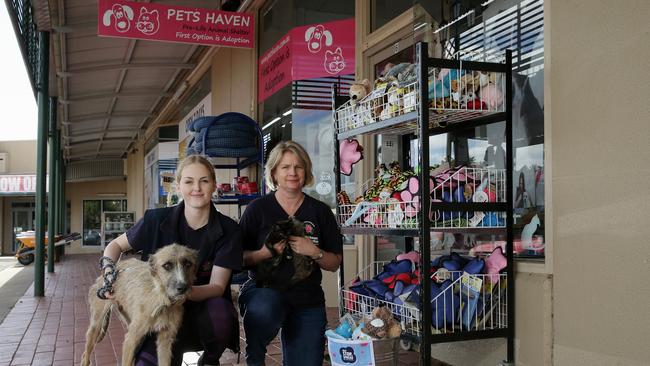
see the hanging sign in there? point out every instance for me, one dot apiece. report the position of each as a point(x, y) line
point(325, 49)
point(129, 19)
point(19, 184)
point(307, 52)
point(274, 69)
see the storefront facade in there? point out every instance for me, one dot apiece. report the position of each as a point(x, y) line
point(548, 287)
point(580, 301)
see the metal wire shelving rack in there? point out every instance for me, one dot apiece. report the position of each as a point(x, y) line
point(408, 115)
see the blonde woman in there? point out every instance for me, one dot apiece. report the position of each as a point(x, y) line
point(299, 310)
point(210, 320)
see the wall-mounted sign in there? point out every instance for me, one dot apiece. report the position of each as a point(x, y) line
point(307, 52)
point(274, 69)
point(129, 19)
point(12, 184)
point(202, 108)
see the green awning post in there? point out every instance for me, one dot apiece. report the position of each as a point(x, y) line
point(51, 196)
point(41, 156)
point(57, 184)
point(55, 175)
point(64, 203)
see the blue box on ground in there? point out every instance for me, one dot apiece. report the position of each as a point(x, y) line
point(382, 352)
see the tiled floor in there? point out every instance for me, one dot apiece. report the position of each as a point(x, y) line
point(51, 330)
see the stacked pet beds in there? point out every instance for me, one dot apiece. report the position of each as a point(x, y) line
point(231, 134)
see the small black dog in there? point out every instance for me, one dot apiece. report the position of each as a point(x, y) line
point(268, 272)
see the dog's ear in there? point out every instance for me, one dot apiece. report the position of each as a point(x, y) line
point(152, 264)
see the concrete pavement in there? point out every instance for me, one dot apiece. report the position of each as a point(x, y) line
point(15, 279)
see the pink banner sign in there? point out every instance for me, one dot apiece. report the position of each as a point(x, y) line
point(129, 19)
point(307, 52)
point(274, 69)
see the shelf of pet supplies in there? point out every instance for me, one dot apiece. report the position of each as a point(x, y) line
point(220, 162)
point(236, 199)
point(454, 95)
point(416, 232)
point(461, 198)
point(360, 305)
point(460, 302)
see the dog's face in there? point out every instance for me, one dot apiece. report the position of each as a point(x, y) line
point(175, 267)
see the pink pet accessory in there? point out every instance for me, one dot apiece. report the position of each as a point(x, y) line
point(494, 263)
point(350, 153)
point(413, 256)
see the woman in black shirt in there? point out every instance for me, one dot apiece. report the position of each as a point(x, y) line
point(210, 320)
point(299, 310)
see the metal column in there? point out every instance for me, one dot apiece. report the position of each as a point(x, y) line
point(51, 200)
point(41, 156)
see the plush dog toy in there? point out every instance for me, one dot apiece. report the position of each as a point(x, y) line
point(350, 153)
point(382, 325)
point(359, 90)
point(267, 271)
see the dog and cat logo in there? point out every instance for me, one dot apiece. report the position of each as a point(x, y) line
point(121, 17)
point(317, 37)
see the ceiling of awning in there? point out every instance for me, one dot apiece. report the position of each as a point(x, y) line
point(110, 89)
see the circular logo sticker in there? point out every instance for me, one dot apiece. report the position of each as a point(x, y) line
point(323, 188)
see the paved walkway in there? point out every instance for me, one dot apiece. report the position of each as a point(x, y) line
point(15, 279)
point(51, 330)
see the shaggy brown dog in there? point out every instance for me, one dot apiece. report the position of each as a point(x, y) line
point(149, 297)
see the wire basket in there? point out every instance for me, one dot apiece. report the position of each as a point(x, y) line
point(464, 185)
point(461, 302)
point(454, 95)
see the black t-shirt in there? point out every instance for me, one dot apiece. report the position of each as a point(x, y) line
point(219, 243)
point(320, 226)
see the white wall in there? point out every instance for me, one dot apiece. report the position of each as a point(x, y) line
point(599, 71)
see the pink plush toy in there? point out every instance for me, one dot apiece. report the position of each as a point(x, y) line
point(350, 152)
point(494, 263)
point(492, 96)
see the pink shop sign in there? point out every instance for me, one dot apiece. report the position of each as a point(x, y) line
point(129, 19)
point(325, 49)
point(307, 52)
point(274, 68)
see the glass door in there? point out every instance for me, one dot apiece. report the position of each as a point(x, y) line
point(22, 220)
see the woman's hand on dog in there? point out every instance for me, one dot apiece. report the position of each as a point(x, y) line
point(303, 245)
point(278, 247)
point(108, 294)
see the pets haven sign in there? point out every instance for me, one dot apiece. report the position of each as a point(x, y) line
point(307, 52)
point(129, 19)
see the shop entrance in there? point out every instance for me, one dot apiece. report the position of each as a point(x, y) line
point(23, 219)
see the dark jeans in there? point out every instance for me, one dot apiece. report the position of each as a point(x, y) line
point(211, 325)
point(265, 312)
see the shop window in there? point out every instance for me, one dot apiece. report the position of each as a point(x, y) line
point(92, 217)
point(487, 31)
point(483, 31)
point(383, 11)
point(277, 18)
